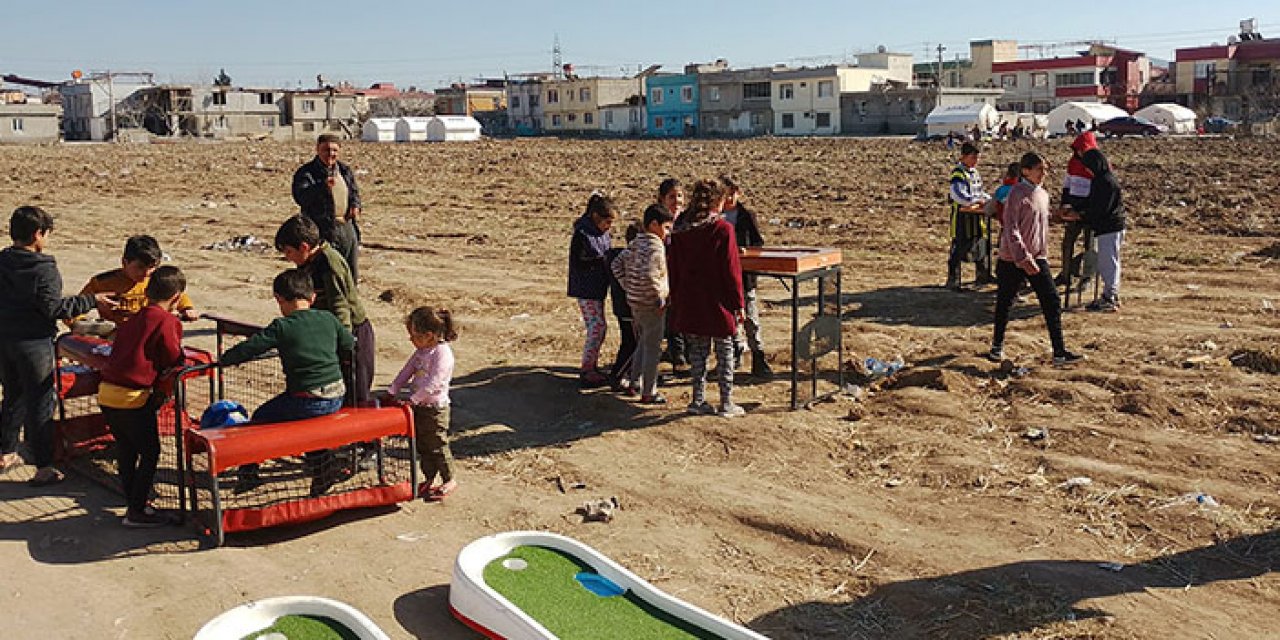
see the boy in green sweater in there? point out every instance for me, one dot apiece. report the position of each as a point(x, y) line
point(308, 341)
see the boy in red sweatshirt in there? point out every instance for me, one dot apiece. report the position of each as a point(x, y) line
point(145, 346)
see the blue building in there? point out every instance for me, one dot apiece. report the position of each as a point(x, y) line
point(672, 105)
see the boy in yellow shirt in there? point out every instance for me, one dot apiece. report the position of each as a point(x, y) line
point(129, 283)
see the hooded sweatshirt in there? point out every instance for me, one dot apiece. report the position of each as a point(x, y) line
point(1075, 188)
point(31, 296)
point(1103, 210)
point(588, 260)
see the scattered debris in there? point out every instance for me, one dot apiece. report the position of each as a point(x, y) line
point(240, 243)
point(1256, 361)
point(412, 536)
point(521, 316)
point(598, 510)
point(1205, 360)
point(893, 482)
point(1075, 483)
point(1035, 433)
point(1266, 438)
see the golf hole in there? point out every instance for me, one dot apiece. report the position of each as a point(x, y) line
point(515, 564)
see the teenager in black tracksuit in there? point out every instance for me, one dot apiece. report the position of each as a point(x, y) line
point(1105, 216)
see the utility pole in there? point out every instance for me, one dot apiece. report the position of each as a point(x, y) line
point(111, 99)
point(940, 50)
point(557, 61)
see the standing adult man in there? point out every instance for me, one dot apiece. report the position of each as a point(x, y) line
point(326, 191)
point(968, 219)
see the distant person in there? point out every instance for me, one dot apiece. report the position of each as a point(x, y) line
point(1075, 194)
point(968, 220)
point(335, 292)
point(426, 375)
point(642, 270)
point(746, 230)
point(1070, 128)
point(128, 284)
point(31, 303)
point(1024, 257)
point(706, 290)
point(326, 191)
point(1080, 126)
point(589, 281)
point(145, 347)
point(995, 206)
point(622, 373)
point(1104, 213)
point(671, 196)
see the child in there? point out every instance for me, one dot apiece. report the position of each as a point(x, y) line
point(624, 366)
point(589, 280)
point(129, 283)
point(706, 294)
point(145, 346)
point(308, 341)
point(642, 269)
point(995, 206)
point(335, 291)
point(427, 373)
point(968, 220)
point(747, 232)
point(31, 303)
point(671, 197)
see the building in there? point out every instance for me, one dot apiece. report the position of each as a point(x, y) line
point(524, 104)
point(89, 104)
point(807, 101)
point(1101, 74)
point(973, 72)
point(573, 104)
point(25, 122)
point(209, 111)
point(735, 102)
point(462, 99)
point(1239, 80)
point(624, 119)
point(902, 110)
point(672, 104)
point(310, 113)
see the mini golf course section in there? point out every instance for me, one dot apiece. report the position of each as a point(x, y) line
point(292, 618)
point(536, 586)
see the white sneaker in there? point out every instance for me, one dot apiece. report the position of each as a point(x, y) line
point(731, 410)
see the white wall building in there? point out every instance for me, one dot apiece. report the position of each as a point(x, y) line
point(87, 103)
point(807, 101)
point(623, 119)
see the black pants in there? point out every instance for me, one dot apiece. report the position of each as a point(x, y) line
point(26, 373)
point(366, 359)
point(626, 349)
point(137, 436)
point(1009, 278)
point(975, 250)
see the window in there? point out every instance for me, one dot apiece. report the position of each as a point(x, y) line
point(826, 88)
point(573, 117)
point(686, 94)
point(655, 95)
point(1041, 106)
point(555, 120)
point(713, 94)
point(635, 116)
point(308, 106)
point(308, 126)
point(1206, 69)
point(757, 120)
point(220, 122)
point(1040, 79)
point(497, 104)
point(269, 122)
point(862, 108)
point(659, 122)
point(515, 102)
point(569, 95)
point(787, 91)
point(584, 94)
point(219, 97)
point(1081, 79)
point(1009, 81)
point(533, 100)
point(588, 118)
point(266, 97)
point(553, 96)
point(823, 119)
point(16, 123)
point(608, 118)
point(756, 90)
point(788, 121)
point(913, 107)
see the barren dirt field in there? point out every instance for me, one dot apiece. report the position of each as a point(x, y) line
point(918, 508)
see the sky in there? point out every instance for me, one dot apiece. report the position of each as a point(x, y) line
point(286, 43)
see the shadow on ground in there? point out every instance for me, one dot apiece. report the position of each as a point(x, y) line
point(1017, 597)
point(922, 306)
point(425, 614)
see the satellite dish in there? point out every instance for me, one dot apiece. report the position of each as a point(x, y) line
point(881, 49)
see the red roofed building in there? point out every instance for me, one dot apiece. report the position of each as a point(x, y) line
point(1101, 74)
point(1240, 79)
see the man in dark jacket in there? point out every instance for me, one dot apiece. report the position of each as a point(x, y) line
point(1105, 216)
point(326, 191)
point(30, 304)
point(746, 231)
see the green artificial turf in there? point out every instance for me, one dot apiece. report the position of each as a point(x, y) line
point(307, 628)
point(547, 591)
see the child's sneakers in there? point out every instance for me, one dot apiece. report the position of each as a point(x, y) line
point(656, 398)
point(592, 380)
point(1107, 305)
point(702, 408)
point(1066, 357)
point(731, 410)
point(148, 518)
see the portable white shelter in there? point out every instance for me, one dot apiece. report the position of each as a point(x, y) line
point(379, 130)
point(412, 129)
point(961, 118)
point(453, 129)
point(1086, 112)
point(1178, 118)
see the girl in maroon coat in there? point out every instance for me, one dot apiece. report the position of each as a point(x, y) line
point(706, 293)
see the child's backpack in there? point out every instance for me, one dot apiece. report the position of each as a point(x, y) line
point(223, 413)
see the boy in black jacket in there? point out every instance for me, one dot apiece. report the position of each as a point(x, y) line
point(30, 304)
point(1104, 214)
point(747, 232)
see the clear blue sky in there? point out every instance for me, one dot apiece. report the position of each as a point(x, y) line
point(284, 43)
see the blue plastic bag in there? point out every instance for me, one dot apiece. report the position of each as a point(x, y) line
point(223, 413)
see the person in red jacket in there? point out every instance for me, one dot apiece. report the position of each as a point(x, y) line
point(706, 293)
point(145, 346)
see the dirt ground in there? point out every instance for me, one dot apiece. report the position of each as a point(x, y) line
point(919, 509)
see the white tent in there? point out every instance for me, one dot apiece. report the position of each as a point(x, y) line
point(412, 129)
point(1086, 112)
point(379, 130)
point(961, 118)
point(453, 129)
point(1178, 118)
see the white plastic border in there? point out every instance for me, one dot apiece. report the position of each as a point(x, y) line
point(475, 602)
point(257, 615)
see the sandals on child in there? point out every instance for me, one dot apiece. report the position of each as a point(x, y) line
point(46, 476)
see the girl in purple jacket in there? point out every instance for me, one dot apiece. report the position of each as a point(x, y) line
point(589, 280)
